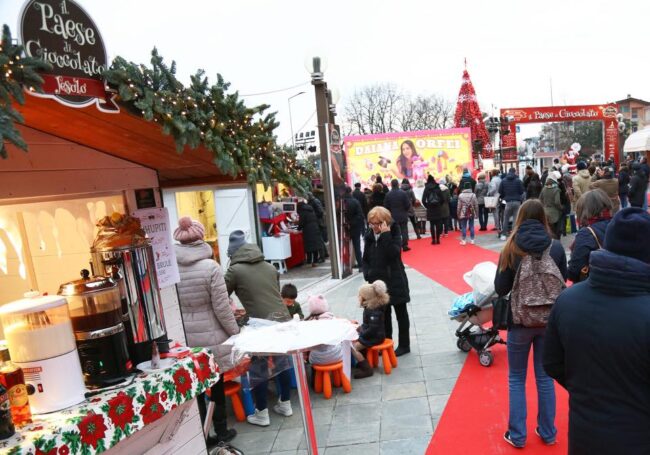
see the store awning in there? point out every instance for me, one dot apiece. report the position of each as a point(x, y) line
point(125, 136)
point(638, 142)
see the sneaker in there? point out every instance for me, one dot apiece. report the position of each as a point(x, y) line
point(283, 408)
point(444, 235)
point(463, 242)
point(260, 418)
point(503, 237)
point(548, 443)
point(506, 436)
point(472, 241)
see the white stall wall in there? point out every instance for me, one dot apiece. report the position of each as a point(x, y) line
point(47, 243)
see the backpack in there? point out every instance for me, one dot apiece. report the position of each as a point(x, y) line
point(432, 198)
point(538, 282)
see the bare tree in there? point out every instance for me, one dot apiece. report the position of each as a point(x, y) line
point(383, 108)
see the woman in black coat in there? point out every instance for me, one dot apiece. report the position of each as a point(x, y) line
point(382, 261)
point(638, 186)
point(437, 204)
point(311, 235)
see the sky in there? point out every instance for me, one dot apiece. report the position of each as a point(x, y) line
point(590, 52)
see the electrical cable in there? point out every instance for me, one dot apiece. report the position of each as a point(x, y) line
point(276, 91)
point(303, 125)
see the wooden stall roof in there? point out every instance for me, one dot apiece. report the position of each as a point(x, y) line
point(125, 136)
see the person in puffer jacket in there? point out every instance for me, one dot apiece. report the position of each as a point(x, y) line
point(581, 181)
point(593, 213)
point(372, 298)
point(205, 308)
point(467, 210)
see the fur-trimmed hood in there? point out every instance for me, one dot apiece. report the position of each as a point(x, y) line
point(373, 295)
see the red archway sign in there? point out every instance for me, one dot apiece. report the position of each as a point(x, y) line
point(604, 113)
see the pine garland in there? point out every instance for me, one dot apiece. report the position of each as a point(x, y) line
point(240, 138)
point(16, 72)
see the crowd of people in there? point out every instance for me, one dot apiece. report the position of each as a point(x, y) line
point(584, 316)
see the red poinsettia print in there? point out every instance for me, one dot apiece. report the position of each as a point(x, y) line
point(202, 366)
point(49, 452)
point(182, 381)
point(163, 396)
point(121, 410)
point(64, 450)
point(92, 429)
point(152, 410)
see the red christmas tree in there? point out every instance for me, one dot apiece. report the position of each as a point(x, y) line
point(468, 114)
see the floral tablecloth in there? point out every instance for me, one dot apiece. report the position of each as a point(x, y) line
point(104, 420)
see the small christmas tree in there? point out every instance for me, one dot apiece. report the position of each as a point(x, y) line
point(468, 114)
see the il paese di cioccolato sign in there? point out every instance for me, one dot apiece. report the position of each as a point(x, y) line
point(61, 33)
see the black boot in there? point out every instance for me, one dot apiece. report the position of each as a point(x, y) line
point(363, 370)
point(224, 434)
point(401, 350)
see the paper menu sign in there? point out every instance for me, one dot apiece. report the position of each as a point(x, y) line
point(155, 222)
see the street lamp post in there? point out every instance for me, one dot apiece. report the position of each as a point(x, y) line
point(324, 116)
point(293, 139)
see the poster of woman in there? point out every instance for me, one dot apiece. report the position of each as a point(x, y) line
point(411, 154)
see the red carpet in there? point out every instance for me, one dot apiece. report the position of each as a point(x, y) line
point(446, 263)
point(476, 415)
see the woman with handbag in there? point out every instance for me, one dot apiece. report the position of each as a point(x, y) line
point(530, 241)
point(593, 212)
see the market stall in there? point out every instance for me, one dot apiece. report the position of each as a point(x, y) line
point(155, 402)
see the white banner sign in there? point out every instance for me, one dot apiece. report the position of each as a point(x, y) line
point(155, 222)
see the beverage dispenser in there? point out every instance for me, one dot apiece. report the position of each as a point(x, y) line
point(40, 339)
point(134, 266)
point(96, 313)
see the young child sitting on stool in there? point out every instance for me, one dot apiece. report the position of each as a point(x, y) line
point(323, 354)
point(372, 298)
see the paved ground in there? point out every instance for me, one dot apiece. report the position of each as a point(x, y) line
point(394, 414)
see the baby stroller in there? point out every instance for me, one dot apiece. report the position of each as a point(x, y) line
point(473, 310)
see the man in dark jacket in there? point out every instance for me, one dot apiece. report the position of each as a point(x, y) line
point(319, 211)
point(597, 343)
point(467, 177)
point(255, 282)
point(398, 204)
point(512, 191)
point(638, 187)
point(435, 201)
point(354, 217)
point(361, 197)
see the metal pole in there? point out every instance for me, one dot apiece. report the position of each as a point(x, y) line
point(293, 140)
point(322, 115)
point(305, 403)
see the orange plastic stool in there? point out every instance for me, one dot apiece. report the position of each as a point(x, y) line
point(326, 374)
point(232, 390)
point(388, 357)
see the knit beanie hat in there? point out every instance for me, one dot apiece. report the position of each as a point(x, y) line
point(317, 304)
point(188, 230)
point(582, 165)
point(627, 234)
point(236, 240)
point(373, 295)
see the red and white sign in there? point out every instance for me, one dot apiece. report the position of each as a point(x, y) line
point(605, 113)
